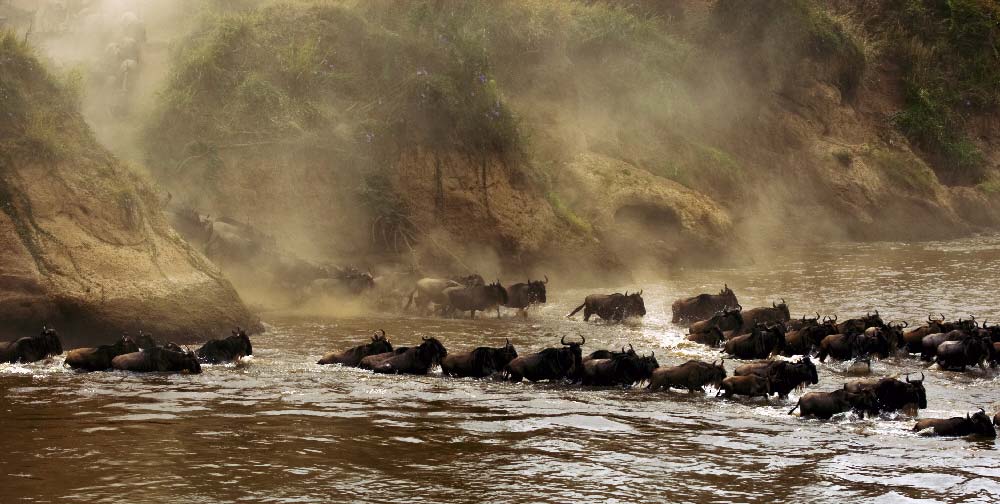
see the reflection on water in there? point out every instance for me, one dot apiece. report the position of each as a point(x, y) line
point(280, 428)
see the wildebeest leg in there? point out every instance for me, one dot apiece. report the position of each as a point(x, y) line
point(473, 314)
point(524, 312)
point(498, 311)
point(586, 314)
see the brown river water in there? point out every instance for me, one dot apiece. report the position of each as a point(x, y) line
point(279, 428)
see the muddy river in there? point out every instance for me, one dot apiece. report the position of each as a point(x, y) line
point(279, 428)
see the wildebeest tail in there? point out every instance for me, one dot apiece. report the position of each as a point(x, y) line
point(797, 404)
point(578, 308)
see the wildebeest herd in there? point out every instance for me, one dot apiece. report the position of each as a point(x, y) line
point(767, 336)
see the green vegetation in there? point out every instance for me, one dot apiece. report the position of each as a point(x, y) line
point(949, 52)
point(902, 169)
point(565, 213)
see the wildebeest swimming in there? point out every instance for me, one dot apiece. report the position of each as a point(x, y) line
point(228, 349)
point(782, 376)
point(352, 357)
point(165, 359)
point(614, 307)
point(31, 348)
point(892, 394)
point(777, 313)
point(702, 306)
point(99, 358)
point(476, 298)
point(824, 405)
point(625, 368)
point(522, 295)
point(978, 424)
point(548, 364)
point(762, 341)
point(416, 360)
point(478, 363)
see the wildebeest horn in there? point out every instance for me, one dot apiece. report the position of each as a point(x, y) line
point(773, 304)
point(425, 338)
point(546, 279)
point(630, 347)
point(563, 340)
point(640, 291)
point(905, 324)
point(921, 376)
point(508, 341)
point(982, 410)
point(626, 292)
point(876, 312)
point(907, 377)
point(783, 301)
point(713, 362)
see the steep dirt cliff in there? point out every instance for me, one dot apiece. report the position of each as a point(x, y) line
point(84, 246)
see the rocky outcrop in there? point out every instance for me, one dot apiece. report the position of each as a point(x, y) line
point(84, 246)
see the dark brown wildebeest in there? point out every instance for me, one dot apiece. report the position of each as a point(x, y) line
point(726, 320)
point(479, 363)
point(370, 361)
point(615, 307)
point(430, 290)
point(31, 348)
point(931, 342)
point(165, 359)
point(417, 360)
point(352, 356)
point(229, 349)
point(858, 325)
point(759, 344)
point(803, 341)
point(892, 394)
point(99, 358)
point(976, 425)
point(623, 369)
point(915, 336)
point(713, 337)
point(702, 306)
point(692, 375)
point(802, 323)
point(750, 386)
point(478, 298)
point(522, 295)
point(873, 341)
point(824, 405)
point(549, 364)
point(971, 351)
point(783, 376)
point(777, 313)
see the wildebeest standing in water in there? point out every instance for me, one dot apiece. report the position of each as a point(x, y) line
point(824, 405)
point(99, 358)
point(750, 386)
point(479, 363)
point(523, 295)
point(615, 307)
point(417, 360)
point(477, 298)
point(976, 425)
point(783, 376)
point(702, 306)
point(773, 315)
point(625, 368)
point(892, 394)
point(692, 375)
point(971, 351)
point(712, 332)
point(228, 349)
point(430, 290)
point(549, 364)
point(759, 344)
point(31, 348)
point(352, 356)
point(168, 358)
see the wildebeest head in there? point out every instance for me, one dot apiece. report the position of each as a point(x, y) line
point(508, 353)
point(633, 305)
point(124, 345)
point(648, 364)
point(916, 387)
point(379, 343)
point(728, 318)
point(498, 292)
point(431, 350)
point(808, 369)
point(783, 308)
point(577, 352)
point(50, 340)
point(716, 372)
point(536, 290)
point(864, 400)
point(873, 320)
point(981, 424)
point(242, 336)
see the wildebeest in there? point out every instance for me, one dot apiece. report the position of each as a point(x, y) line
point(370, 361)
point(430, 290)
point(976, 425)
point(749, 385)
point(99, 358)
point(477, 298)
point(858, 325)
point(712, 337)
point(522, 295)
point(873, 341)
point(615, 307)
point(777, 313)
point(893, 394)
point(824, 405)
point(931, 342)
point(797, 324)
point(472, 280)
point(782, 376)
point(915, 336)
point(808, 337)
point(352, 356)
point(158, 359)
point(970, 351)
point(759, 344)
point(626, 369)
point(417, 360)
point(479, 363)
point(549, 364)
point(702, 306)
point(692, 375)
point(726, 319)
point(228, 349)
point(31, 348)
